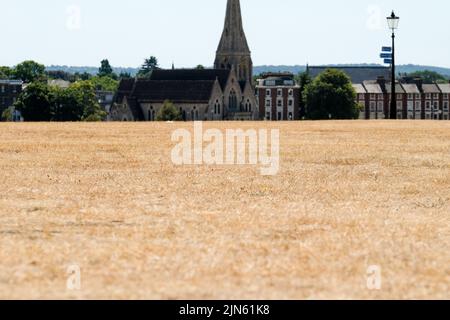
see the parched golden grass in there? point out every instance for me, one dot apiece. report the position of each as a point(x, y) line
point(107, 198)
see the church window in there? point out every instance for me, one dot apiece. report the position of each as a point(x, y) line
point(232, 100)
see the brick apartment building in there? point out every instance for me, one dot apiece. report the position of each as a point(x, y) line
point(278, 97)
point(9, 92)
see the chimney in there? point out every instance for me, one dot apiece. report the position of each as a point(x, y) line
point(419, 83)
point(382, 82)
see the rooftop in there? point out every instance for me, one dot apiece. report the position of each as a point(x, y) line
point(357, 74)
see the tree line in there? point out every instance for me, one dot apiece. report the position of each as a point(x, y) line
point(41, 101)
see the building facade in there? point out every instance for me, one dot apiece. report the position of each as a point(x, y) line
point(415, 100)
point(278, 97)
point(9, 93)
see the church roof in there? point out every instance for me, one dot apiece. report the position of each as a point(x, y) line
point(135, 109)
point(124, 89)
point(233, 37)
point(221, 75)
point(177, 91)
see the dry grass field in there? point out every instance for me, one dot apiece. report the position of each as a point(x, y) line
point(107, 198)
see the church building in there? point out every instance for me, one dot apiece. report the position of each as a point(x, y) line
point(223, 93)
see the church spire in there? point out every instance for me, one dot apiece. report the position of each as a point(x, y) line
point(233, 49)
point(233, 36)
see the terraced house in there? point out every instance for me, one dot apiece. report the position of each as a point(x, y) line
point(415, 100)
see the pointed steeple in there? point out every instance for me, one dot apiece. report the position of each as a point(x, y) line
point(233, 36)
point(233, 48)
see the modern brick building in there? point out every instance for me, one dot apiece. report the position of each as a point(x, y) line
point(278, 97)
point(9, 92)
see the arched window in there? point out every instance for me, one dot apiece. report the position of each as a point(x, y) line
point(151, 114)
point(232, 100)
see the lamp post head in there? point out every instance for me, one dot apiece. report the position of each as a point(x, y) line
point(393, 21)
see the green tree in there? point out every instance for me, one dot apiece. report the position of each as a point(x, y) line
point(428, 76)
point(200, 67)
point(5, 72)
point(124, 75)
point(303, 79)
point(7, 114)
point(66, 104)
point(148, 66)
point(104, 83)
point(92, 111)
point(35, 102)
point(331, 96)
point(168, 112)
point(105, 69)
point(30, 71)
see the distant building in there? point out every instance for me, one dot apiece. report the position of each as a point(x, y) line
point(357, 74)
point(105, 100)
point(63, 84)
point(278, 97)
point(415, 100)
point(9, 93)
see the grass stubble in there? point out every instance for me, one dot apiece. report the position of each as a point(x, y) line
point(106, 197)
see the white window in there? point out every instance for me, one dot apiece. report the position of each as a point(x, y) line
point(268, 93)
point(399, 96)
point(445, 105)
point(268, 103)
point(410, 106)
point(435, 96)
point(380, 97)
point(372, 96)
point(417, 96)
point(291, 92)
point(427, 105)
point(418, 106)
point(279, 92)
point(279, 103)
point(291, 102)
point(380, 106)
point(372, 106)
point(428, 96)
point(445, 96)
point(436, 105)
point(399, 105)
point(410, 96)
point(361, 97)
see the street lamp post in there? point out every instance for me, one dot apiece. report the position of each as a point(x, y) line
point(393, 21)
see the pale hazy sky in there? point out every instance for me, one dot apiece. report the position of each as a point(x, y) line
point(82, 32)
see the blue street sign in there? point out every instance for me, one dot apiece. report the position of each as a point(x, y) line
point(388, 61)
point(386, 55)
point(386, 49)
